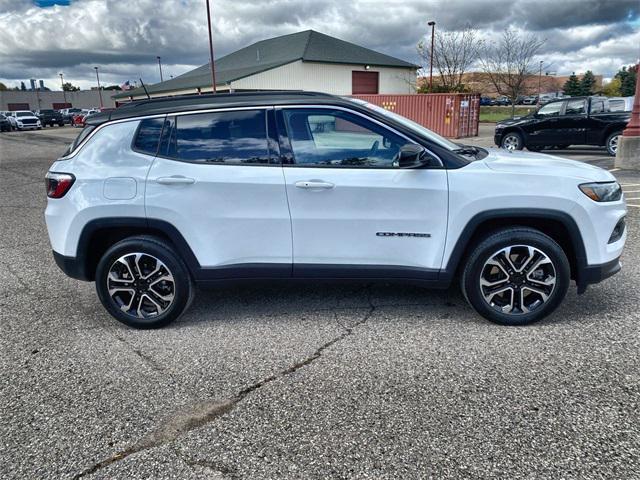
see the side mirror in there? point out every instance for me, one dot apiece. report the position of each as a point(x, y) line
point(411, 156)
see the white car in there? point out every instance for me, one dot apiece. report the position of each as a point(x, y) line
point(159, 195)
point(25, 120)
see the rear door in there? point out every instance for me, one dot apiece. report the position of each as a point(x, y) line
point(219, 182)
point(354, 213)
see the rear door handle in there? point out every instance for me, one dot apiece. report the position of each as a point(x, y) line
point(314, 184)
point(175, 180)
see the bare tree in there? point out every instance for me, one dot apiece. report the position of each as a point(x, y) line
point(509, 62)
point(453, 55)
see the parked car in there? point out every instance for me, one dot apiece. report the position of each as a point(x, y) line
point(503, 101)
point(25, 120)
point(79, 118)
point(5, 125)
point(68, 113)
point(50, 117)
point(621, 104)
point(485, 101)
point(371, 196)
point(530, 100)
point(562, 123)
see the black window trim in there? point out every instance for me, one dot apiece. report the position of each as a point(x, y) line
point(274, 156)
point(289, 160)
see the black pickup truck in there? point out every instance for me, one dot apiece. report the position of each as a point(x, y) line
point(51, 118)
point(564, 122)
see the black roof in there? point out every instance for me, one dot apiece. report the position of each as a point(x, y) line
point(308, 46)
point(202, 102)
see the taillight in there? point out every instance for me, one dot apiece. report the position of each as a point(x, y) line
point(58, 184)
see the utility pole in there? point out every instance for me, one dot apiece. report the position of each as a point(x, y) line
point(160, 67)
point(213, 68)
point(99, 91)
point(432, 24)
point(64, 93)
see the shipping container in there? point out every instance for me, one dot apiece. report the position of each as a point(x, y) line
point(453, 115)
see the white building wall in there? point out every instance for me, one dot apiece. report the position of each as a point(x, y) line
point(326, 77)
point(44, 100)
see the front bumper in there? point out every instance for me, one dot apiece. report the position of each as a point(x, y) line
point(497, 138)
point(591, 274)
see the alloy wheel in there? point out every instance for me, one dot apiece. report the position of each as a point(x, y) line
point(613, 144)
point(511, 142)
point(517, 280)
point(141, 285)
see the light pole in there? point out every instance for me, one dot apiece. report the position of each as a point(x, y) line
point(64, 93)
point(213, 68)
point(99, 91)
point(539, 81)
point(432, 24)
point(160, 67)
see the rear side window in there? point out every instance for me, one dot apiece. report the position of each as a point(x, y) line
point(574, 107)
point(236, 137)
point(148, 136)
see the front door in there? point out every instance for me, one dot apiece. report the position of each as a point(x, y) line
point(217, 181)
point(354, 213)
point(573, 122)
point(545, 129)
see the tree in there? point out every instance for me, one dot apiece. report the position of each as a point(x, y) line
point(453, 54)
point(612, 89)
point(23, 87)
point(587, 83)
point(572, 86)
point(68, 87)
point(628, 78)
point(508, 63)
point(3, 87)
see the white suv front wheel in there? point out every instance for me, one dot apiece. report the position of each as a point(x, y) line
point(516, 276)
point(143, 283)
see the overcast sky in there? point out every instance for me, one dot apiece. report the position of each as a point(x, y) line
point(44, 37)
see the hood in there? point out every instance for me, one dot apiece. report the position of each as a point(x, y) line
point(513, 121)
point(27, 117)
point(501, 160)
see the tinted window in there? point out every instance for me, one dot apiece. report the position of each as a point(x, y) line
point(237, 137)
point(616, 105)
point(597, 106)
point(574, 107)
point(550, 110)
point(334, 138)
point(148, 135)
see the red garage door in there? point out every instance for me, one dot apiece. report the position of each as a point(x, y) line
point(12, 107)
point(363, 83)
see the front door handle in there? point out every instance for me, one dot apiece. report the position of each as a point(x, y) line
point(175, 180)
point(314, 184)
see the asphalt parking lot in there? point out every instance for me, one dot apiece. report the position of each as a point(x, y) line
point(313, 381)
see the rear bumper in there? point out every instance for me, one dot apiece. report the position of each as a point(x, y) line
point(591, 274)
point(71, 266)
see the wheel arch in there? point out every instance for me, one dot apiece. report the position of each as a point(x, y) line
point(100, 234)
point(558, 225)
point(518, 130)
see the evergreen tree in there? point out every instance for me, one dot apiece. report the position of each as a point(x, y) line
point(572, 86)
point(587, 83)
point(23, 87)
point(628, 78)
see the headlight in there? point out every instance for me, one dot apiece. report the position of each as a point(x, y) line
point(602, 192)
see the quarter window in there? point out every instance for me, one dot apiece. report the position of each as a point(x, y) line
point(335, 138)
point(237, 137)
point(148, 135)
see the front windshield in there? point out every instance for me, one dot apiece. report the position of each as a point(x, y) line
point(416, 127)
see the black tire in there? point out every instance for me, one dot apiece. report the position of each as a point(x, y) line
point(512, 141)
point(612, 143)
point(152, 248)
point(486, 250)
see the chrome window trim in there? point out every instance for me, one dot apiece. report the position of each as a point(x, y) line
point(256, 107)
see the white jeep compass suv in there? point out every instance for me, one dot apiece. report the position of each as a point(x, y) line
point(159, 195)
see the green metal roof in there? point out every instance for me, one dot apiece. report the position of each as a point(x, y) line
point(308, 46)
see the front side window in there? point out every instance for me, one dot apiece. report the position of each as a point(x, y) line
point(335, 138)
point(234, 137)
point(550, 110)
point(574, 107)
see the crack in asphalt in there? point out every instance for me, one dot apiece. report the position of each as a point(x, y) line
point(205, 412)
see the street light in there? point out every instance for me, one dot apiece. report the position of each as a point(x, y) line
point(64, 93)
point(99, 91)
point(432, 24)
point(539, 80)
point(160, 67)
point(213, 68)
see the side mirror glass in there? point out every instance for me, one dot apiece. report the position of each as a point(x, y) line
point(412, 156)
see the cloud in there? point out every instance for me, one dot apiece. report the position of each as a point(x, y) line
point(124, 38)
